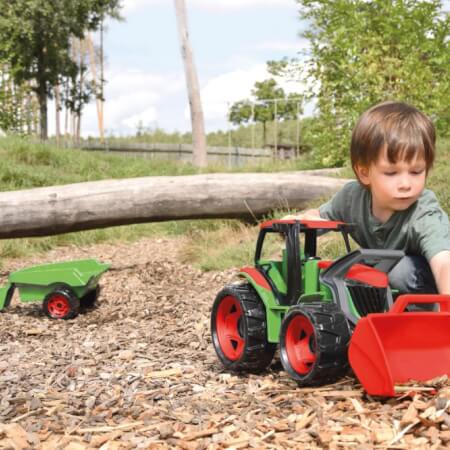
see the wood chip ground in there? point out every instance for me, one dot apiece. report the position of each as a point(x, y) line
point(139, 371)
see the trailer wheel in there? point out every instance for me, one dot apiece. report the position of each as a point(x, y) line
point(88, 300)
point(239, 329)
point(61, 304)
point(313, 343)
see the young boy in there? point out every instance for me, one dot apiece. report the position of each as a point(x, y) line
point(392, 151)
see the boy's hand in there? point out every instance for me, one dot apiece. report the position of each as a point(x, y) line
point(309, 214)
point(440, 266)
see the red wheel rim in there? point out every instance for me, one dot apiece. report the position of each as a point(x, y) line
point(227, 327)
point(58, 306)
point(301, 344)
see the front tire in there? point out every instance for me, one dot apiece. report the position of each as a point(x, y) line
point(239, 329)
point(61, 303)
point(314, 339)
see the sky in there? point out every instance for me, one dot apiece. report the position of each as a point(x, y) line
point(231, 39)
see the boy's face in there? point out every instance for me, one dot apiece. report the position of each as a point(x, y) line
point(394, 186)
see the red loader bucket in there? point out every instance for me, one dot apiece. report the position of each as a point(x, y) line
point(398, 346)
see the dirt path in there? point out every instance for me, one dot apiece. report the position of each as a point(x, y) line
point(139, 371)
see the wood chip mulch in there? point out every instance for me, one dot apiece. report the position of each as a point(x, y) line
point(139, 371)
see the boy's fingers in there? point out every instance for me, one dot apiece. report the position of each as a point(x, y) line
point(302, 217)
point(290, 217)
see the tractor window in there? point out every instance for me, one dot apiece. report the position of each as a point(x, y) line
point(331, 246)
point(272, 250)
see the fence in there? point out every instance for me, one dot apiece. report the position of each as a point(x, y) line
point(229, 156)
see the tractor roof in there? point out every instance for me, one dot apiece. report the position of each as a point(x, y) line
point(307, 224)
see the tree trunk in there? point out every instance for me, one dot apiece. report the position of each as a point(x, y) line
point(102, 81)
point(57, 115)
point(198, 127)
point(98, 93)
point(42, 97)
point(79, 109)
point(67, 112)
point(99, 204)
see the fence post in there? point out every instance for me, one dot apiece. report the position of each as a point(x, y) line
point(297, 137)
point(253, 125)
point(275, 129)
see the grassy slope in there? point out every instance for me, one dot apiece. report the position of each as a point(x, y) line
point(25, 165)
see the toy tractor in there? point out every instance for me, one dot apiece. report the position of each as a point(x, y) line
point(61, 287)
point(327, 315)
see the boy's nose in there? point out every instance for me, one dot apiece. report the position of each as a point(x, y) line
point(404, 183)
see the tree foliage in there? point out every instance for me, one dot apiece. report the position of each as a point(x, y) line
point(363, 52)
point(270, 103)
point(35, 41)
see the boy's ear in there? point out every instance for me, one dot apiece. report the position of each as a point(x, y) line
point(362, 172)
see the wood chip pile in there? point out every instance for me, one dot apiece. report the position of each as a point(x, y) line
point(139, 371)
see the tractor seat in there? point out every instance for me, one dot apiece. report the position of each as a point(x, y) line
point(362, 273)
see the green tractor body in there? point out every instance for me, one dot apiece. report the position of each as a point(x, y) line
point(62, 287)
point(310, 308)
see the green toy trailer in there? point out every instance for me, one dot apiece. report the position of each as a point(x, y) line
point(325, 316)
point(62, 287)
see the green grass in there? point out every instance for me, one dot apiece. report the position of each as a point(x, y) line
point(25, 165)
point(211, 244)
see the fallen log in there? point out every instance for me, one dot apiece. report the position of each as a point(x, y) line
point(99, 204)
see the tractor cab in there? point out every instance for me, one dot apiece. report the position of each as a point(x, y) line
point(294, 269)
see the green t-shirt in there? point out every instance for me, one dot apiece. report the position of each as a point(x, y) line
point(422, 229)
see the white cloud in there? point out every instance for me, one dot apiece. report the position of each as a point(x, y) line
point(131, 96)
point(133, 5)
point(299, 45)
point(134, 96)
point(147, 116)
point(220, 92)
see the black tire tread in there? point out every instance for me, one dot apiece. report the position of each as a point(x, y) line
point(258, 352)
point(89, 300)
point(332, 339)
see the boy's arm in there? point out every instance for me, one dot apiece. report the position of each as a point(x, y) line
point(440, 266)
point(333, 209)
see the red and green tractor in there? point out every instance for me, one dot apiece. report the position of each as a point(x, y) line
point(326, 316)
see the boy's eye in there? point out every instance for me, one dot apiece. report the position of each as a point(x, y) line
point(389, 174)
point(417, 172)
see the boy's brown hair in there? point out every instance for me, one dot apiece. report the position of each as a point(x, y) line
point(397, 128)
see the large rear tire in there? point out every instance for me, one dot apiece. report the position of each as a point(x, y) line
point(239, 329)
point(313, 343)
